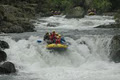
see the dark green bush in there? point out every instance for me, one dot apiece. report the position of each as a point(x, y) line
point(117, 16)
point(101, 5)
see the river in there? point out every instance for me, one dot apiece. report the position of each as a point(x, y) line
point(87, 56)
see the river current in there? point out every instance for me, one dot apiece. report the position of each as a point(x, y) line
point(87, 56)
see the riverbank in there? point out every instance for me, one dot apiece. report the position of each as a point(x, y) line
point(15, 19)
point(15, 16)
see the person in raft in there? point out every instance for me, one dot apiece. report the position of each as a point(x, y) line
point(54, 38)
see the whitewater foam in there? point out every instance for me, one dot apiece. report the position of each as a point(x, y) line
point(85, 23)
point(86, 57)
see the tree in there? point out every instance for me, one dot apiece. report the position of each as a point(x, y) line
point(101, 5)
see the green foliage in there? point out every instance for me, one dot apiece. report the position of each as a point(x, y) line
point(61, 5)
point(66, 5)
point(115, 4)
point(117, 16)
point(101, 5)
point(78, 2)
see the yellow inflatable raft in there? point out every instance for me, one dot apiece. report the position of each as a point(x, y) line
point(56, 46)
point(91, 13)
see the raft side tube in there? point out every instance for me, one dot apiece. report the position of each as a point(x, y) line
point(57, 46)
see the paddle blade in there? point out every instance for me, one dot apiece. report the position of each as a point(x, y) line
point(39, 41)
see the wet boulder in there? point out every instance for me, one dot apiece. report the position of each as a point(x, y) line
point(3, 56)
point(7, 68)
point(16, 29)
point(116, 57)
point(117, 17)
point(77, 12)
point(16, 19)
point(52, 24)
point(109, 26)
point(27, 26)
point(82, 42)
point(4, 44)
point(115, 49)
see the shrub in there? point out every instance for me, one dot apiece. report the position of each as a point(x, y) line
point(117, 16)
point(101, 5)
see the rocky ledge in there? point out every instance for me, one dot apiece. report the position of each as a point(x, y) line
point(115, 49)
point(14, 19)
point(6, 67)
point(77, 12)
point(109, 26)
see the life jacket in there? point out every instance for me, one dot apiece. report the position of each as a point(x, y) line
point(53, 36)
point(58, 41)
point(46, 37)
point(50, 37)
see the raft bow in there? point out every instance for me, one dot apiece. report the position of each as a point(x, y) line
point(57, 46)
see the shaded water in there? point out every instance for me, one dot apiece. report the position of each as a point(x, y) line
point(87, 57)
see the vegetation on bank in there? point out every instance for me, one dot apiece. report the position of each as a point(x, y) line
point(66, 5)
point(101, 5)
point(115, 5)
point(117, 16)
point(45, 6)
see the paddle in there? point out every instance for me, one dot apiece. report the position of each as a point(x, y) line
point(39, 41)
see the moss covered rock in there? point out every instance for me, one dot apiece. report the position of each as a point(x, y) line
point(115, 49)
point(77, 12)
point(117, 16)
point(7, 68)
point(109, 26)
point(12, 19)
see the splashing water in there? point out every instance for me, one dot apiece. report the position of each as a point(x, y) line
point(85, 59)
point(84, 23)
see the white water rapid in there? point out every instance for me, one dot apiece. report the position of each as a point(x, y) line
point(87, 57)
